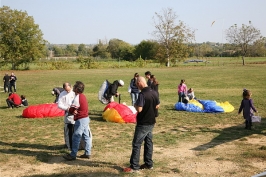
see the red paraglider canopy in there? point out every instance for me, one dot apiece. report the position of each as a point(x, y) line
point(115, 112)
point(43, 110)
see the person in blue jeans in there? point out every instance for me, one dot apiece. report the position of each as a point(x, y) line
point(80, 110)
point(146, 105)
point(134, 93)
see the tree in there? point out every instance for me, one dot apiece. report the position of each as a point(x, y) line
point(21, 40)
point(174, 37)
point(146, 49)
point(243, 37)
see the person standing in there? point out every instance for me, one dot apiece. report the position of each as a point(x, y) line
point(148, 76)
point(247, 107)
point(64, 102)
point(13, 100)
point(12, 83)
point(182, 90)
point(155, 87)
point(147, 103)
point(134, 93)
point(6, 79)
point(80, 110)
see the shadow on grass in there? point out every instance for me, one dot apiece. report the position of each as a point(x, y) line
point(88, 174)
point(230, 134)
point(49, 156)
point(96, 115)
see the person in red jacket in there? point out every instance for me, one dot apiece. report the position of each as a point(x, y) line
point(13, 100)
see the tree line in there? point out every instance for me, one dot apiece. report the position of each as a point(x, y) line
point(21, 42)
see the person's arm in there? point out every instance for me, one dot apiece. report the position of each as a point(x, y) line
point(252, 105)
point(61, 102)
point(139, 103)
point(241, 107)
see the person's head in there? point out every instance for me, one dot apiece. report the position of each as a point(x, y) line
point(148, 74)
point(12, 74)
point(141, 82)
point(23, 97)
point(182, 81)
point(78, 87)
point(136, 75)
point(67, 86)
point(121, 83)
point(246, 94)
point(6, 74)
point(154, 80)
point(10, 94)
point(190, 90)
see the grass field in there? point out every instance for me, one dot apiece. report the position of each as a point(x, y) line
point(185, 144)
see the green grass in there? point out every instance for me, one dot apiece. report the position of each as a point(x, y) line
point(40, 141)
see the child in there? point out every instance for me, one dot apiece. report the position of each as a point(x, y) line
point(182, 91)
point(24, 101)
point(247, 107)
point(190, 94)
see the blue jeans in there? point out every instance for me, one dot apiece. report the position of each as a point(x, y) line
point(81, 130)
point(181, 97)
point(142, 133)
point(134, 97)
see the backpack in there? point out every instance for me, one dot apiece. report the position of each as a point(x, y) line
point(102, 91)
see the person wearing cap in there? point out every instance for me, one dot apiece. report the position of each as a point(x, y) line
point(112, 90)
point(56, 92)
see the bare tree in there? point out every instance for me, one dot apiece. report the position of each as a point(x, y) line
point(174, 37)
point(243, 37)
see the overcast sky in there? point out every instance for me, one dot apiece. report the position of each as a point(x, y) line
point(87, 21)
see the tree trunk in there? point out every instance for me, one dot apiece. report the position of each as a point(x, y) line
point(243, 60)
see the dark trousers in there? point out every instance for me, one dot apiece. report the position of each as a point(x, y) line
point(10, 103)
point(142, 133)
point(70, 133)
point(14, 86)
point(6, 87)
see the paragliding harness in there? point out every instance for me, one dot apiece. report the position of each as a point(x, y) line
point(102, 95)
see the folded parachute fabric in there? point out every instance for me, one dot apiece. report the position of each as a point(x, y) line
point(204, 106)
point(119, 113)
point(42, 110)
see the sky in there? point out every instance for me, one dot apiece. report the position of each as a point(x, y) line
point(88, 21)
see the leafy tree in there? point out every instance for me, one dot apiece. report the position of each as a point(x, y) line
point(146, 49)
point(21, 40)
point(100, 50)
point(71, 50)
point(114, 47)
point(174, 37)
point(243, 37)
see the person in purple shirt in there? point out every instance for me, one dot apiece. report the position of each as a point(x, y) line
point(247, 107)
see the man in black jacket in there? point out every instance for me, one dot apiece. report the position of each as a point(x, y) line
point(6, 79)
point(112, 90)
point(146, 106)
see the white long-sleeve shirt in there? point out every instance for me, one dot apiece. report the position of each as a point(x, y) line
point(64, 102)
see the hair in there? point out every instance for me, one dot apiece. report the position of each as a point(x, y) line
point(79, 87)
point(136, 75)
point(182, 81)
point(22, 97)
point(65, 84)
point(154, 80)
point(246, 94)
point(190, 89)
point(147, 73)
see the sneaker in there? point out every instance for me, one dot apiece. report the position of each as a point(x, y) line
point(85, 156)
point(69, 157)
point(144, 166)
point(130, 170)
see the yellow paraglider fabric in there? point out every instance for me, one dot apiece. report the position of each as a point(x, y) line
point(111, 115)
point(196, 103)
point(226, 106)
